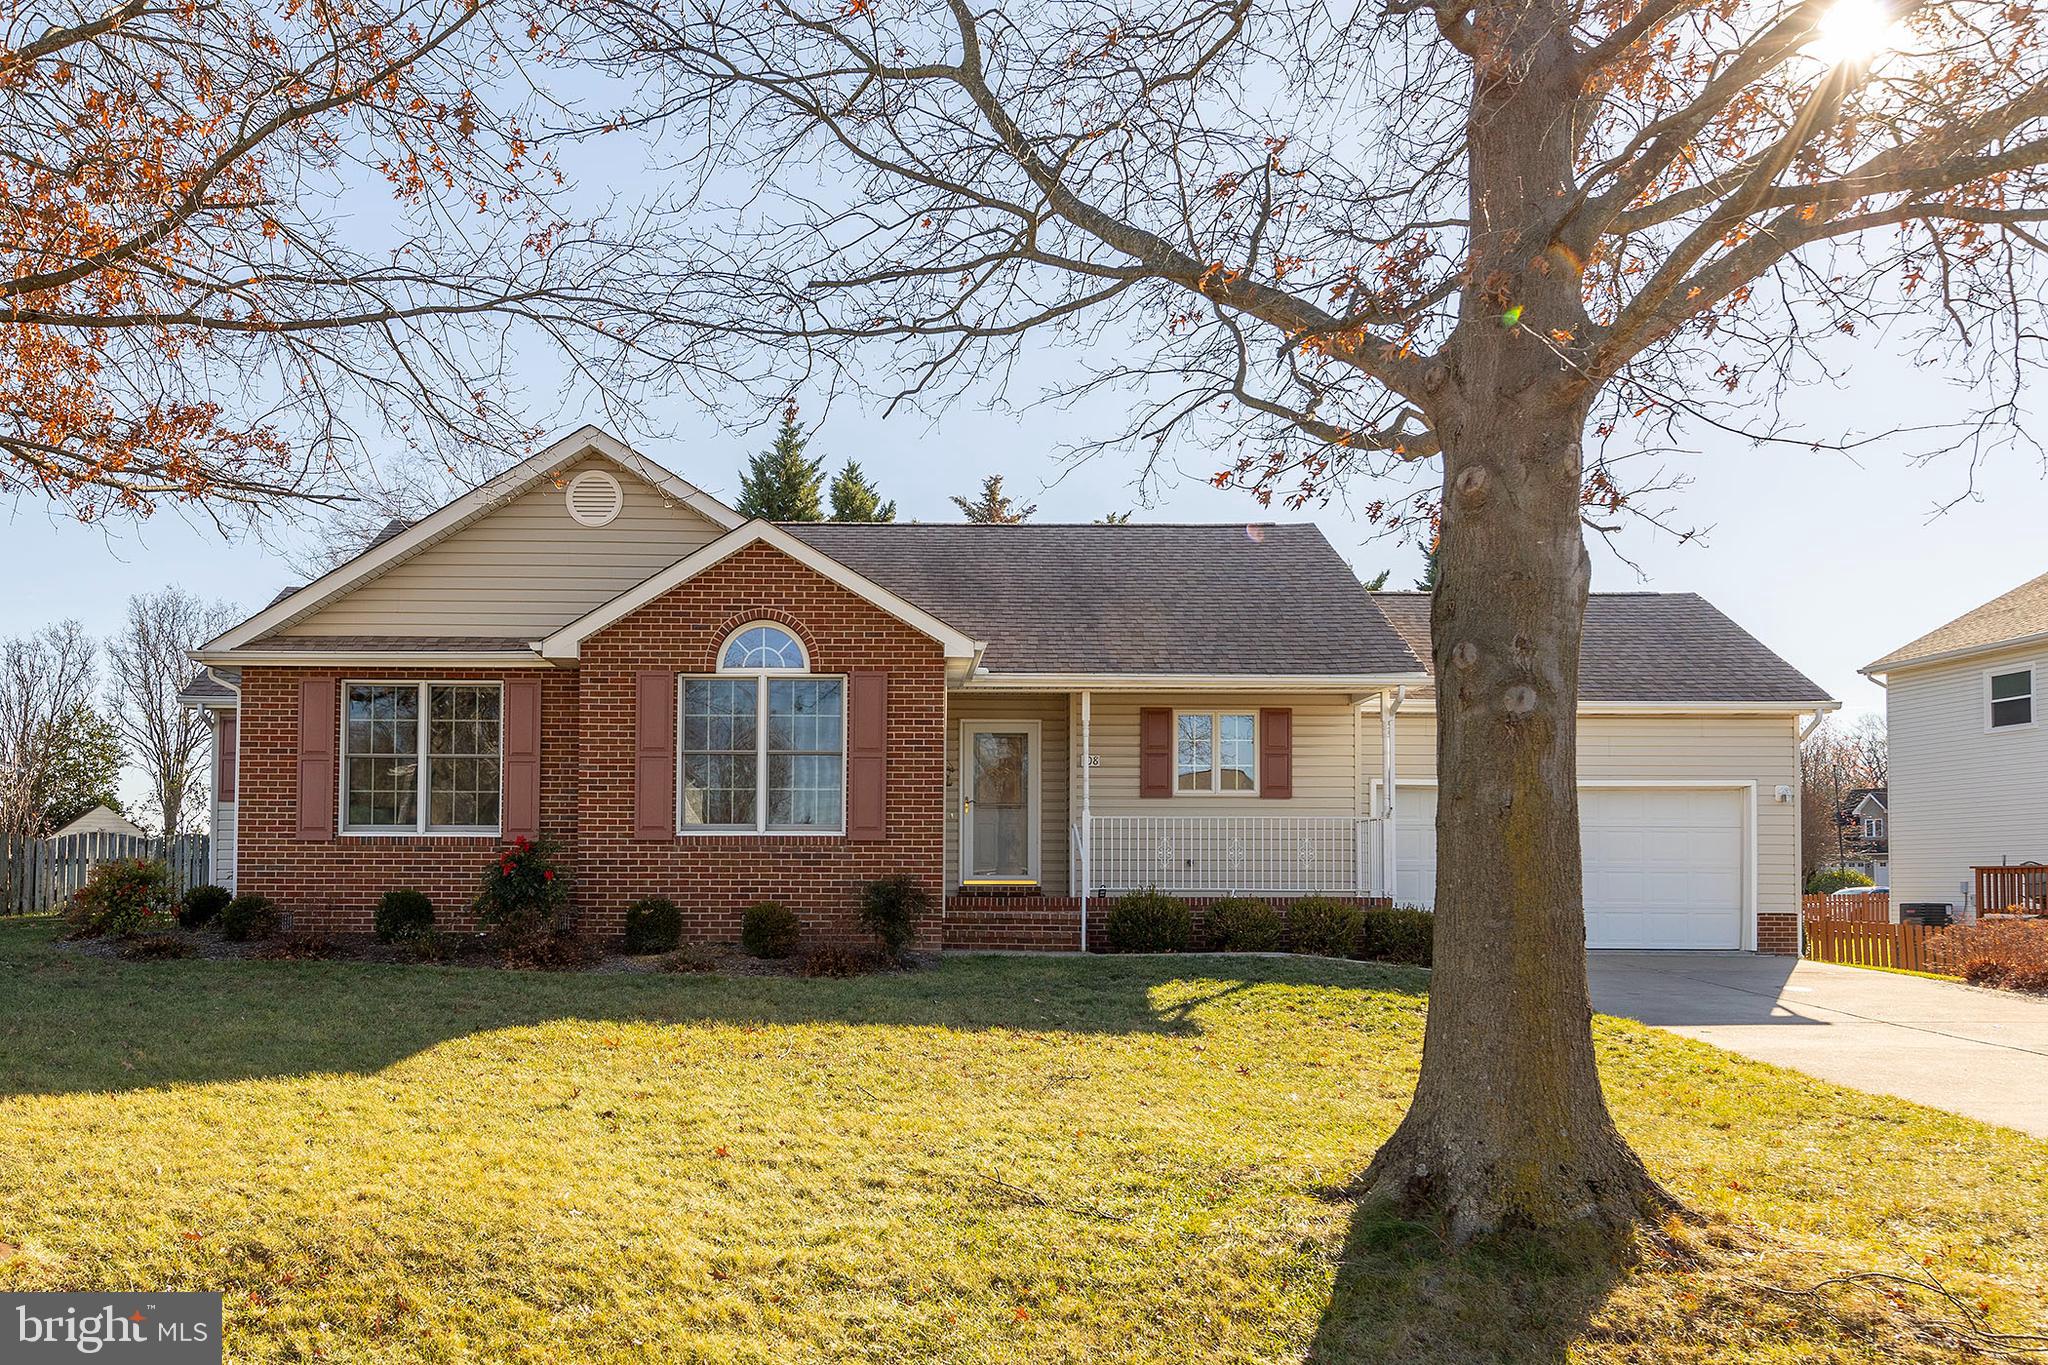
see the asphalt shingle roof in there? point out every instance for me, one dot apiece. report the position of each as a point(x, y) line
point(1170, 599)
point(1651, 647)
point(2017, 615)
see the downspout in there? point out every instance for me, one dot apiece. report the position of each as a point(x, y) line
point(1812, 725)
point(1390, 706)
point(1087, 815)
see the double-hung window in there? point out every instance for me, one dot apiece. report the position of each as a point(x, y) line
point(2011, 699)
point(421, 758)
point(763, 741)
point(1216, 752)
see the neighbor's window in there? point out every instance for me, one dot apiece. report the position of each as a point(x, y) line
point(389, 727)
point(1216, 751)
point(763, 741)
point(2012, 698)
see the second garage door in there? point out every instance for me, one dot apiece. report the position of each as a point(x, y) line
point(1663, 865)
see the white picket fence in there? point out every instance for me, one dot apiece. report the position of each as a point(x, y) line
point(41, 874)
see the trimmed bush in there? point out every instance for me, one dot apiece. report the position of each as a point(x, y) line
point(1244, 924)
point(1398, 933)
point(1324, 926)
point(202, 905)
point(404, 917)
point(1834, 879)
point(523, 891)
point(125, 897)
point(769, 930)
point(1150, 922)
point(890, 908)
point(654, 925)
point(249, 917)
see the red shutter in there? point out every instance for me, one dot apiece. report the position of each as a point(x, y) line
point(319, 728)
point(1155, 751)
point(224, 756)
point(867, 755)
point(1276, 753)
point(522, 759)
point(654, 756)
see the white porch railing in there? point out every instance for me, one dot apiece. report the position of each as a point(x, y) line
point(1227, 854)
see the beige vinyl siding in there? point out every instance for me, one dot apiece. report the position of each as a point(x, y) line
point(523, 570)
point(1325, 760)
point(222, 848)
point(1962, 795)
point(1049, 709)
point(1662, 750)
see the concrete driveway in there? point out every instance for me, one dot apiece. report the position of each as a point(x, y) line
point(1980, 1053)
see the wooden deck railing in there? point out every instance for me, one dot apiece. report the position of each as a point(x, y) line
point(1853, 944)
point(2024, 885)
point(1869, 909)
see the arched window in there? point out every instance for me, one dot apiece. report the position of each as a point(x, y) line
point(763, 740)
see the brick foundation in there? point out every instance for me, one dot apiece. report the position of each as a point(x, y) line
point(1052, 924)
point(1777, 933)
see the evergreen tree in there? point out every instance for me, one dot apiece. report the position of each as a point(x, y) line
point(782, 483)
point(994, 507)
point(856, 499)
point(1378, 583)
point(1427, 583)
point(1115, 519)
point(85, 767)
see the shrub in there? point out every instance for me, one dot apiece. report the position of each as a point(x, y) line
point(1324, 925)
point(2031, 979)
point(523, 891)
point(837, 960)
point(404, 917)
point(123, 897)
point(1834, 879)
point(249, 917)
point(1992, 949)
point(202, 905)
point(433, 947)
point(769, 930)
point(1150, 922)
point(691, 957)
point(148, 947)
point(1244, 924)
point(654, 925)
point(1397, 933)
point(890, 908)
point(550, 950)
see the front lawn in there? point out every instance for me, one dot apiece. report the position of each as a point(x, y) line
point(996, 1160)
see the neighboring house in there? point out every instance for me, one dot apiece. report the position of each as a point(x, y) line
point(1866, 836)
point(1968, 753)
point(101, 819)
point(591, 650)
point(213, 691)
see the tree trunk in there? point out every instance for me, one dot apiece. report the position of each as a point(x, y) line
point(1509, 1130)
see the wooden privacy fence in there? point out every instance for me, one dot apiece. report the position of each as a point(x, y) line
point(41, 874)
point(1852, 943)
point(2023, 887)
point(1870, 909)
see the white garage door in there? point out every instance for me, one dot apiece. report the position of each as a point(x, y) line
point(1663, 864)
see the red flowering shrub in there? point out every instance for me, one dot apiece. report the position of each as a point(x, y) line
point(523, 893)
point(125, 897)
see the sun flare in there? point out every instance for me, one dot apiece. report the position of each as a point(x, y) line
point(1853, 31)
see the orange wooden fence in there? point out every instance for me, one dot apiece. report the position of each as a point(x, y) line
point(1869, 909)
point(1855, 944)
point(2000, 888)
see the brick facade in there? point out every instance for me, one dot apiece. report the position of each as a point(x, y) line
point(587, 754)
point(1778, 933)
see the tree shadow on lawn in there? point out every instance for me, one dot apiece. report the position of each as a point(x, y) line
point(70, 1022)
point(1401, 1296)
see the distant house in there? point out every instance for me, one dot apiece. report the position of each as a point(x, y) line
point(1866, 835)
point(102, 819)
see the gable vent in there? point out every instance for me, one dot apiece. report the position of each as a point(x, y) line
point(595, 498)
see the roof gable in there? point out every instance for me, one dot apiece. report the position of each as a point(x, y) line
point(2016, 617)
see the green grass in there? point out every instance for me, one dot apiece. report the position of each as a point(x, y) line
point(1001, 1159)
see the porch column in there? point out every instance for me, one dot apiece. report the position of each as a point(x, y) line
point(1390, 706)
point(1087, 816)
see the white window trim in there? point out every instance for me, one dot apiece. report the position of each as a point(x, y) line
point(720, 670)
point(1215, 715)
point(419, 829)
point(2031, 698)
point(760, 829)
point(962, 853)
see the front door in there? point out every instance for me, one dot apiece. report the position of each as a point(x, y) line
point(999, 803)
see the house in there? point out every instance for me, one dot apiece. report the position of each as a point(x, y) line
point(213, 693)
point(1967, 754)
point(102, 819)
point(1866, 839)
point(691, 704)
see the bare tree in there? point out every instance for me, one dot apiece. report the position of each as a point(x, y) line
point(1524, 239)
point(1871, 744)
point(148, 665)
point(46, 686)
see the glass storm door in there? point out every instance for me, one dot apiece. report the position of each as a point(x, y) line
point(999, 803)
